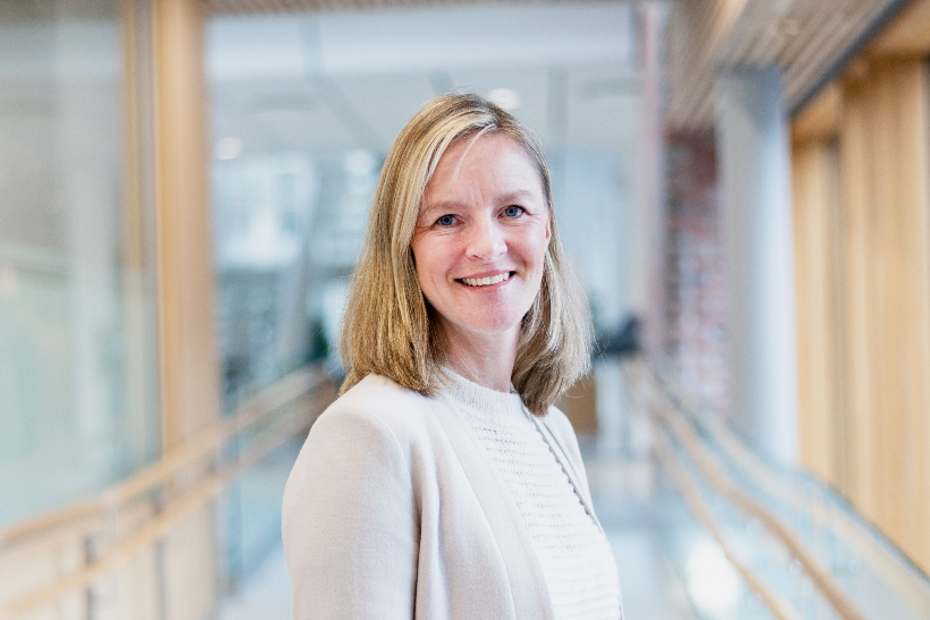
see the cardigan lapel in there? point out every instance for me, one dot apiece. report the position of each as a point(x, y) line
point(562, 457)
point(531, 598)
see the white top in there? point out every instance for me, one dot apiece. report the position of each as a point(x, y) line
point(575, 556)
point(395, 511)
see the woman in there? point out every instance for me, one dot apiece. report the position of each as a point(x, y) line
point(442, 483)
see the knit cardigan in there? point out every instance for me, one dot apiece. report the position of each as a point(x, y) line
point(394, 511)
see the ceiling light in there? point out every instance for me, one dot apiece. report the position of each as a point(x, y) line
point(506, 98)
point(228, 148)
point(9, 283)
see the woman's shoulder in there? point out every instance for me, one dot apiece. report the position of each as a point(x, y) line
point(377, 400)
point(379, 393)
point(377, 425)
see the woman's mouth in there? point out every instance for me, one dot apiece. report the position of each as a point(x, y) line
point(488, 281)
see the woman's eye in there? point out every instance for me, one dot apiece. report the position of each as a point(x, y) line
point(513, 211)
point(446, 220)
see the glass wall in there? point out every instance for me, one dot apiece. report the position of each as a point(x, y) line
point(288, 232)
point(78, 355)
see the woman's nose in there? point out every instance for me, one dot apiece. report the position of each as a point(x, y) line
point(486, 240)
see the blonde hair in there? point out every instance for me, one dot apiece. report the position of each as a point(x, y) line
point(388, 326)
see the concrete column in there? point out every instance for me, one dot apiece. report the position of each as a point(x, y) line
point(651, 178)
point(755, 193)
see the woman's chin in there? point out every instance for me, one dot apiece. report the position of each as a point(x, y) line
point(494, 329)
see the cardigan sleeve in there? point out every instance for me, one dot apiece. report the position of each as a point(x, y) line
point(349, 522)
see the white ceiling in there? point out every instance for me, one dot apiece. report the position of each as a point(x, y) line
point(338, 81)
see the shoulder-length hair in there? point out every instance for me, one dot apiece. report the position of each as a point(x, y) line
point(389, 328)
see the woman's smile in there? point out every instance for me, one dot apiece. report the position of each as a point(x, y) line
point(486, 281)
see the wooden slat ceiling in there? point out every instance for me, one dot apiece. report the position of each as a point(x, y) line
point(805, 38)
point(232, 7)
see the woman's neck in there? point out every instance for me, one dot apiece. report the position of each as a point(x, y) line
point(485, 359)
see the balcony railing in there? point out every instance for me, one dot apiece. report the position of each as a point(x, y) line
point(57, 563)
point(796, 543)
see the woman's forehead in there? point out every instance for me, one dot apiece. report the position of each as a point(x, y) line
point(481, 156)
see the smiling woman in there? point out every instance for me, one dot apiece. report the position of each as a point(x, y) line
point(443, 483)
point(479, 249)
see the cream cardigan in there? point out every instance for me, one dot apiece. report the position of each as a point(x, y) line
point(394, 511)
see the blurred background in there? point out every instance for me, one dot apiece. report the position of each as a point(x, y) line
point(742, 186)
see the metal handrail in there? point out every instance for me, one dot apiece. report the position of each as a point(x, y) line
point(672, 420)
point(273, 402)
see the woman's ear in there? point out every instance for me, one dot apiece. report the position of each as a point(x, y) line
point(549, 224)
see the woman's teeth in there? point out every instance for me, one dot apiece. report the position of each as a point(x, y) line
point(486, 281)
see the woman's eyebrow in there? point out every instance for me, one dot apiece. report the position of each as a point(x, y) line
point(452, 203)
point(440, 205)
point(519, 194)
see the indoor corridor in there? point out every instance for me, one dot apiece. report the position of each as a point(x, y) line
point(742, 190)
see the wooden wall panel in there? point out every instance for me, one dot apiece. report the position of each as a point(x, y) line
point(896, 109)
point(190, 370)
point(909, 332)
point(189, 356)
point(36, 564)
point(868, 337)
point(858, 297)
point(190, 568)
point(886, 286)
point(814, 183)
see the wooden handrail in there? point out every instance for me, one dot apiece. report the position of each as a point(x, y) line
point(293, 389)
point(205, 443)
point(721, 482)
point(780, 608)
point(194, 498)
point(905, 581)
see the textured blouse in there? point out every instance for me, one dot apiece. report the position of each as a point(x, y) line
point(575, 556)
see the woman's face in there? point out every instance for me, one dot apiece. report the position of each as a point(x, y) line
point(481, 237)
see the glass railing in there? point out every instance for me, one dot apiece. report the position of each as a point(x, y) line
point(876, 575)
point(803, 550)
point(75, 557)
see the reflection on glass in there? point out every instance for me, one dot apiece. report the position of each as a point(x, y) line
point(712, 581)
point(288, 232)
point(77, 354)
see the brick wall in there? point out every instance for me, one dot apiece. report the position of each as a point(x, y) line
point(695, 342)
